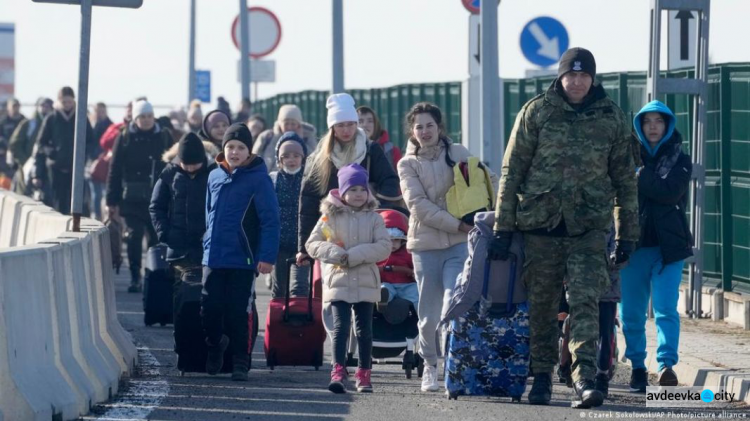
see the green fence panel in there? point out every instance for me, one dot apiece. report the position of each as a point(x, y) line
point(727, 154)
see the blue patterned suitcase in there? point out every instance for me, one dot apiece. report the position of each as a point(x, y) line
point(488, 347)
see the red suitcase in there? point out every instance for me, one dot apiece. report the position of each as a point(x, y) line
point(294, 330)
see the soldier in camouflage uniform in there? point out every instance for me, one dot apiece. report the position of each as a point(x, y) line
point(567, 166)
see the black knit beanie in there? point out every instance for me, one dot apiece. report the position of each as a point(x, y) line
point(240, 132)
point(190, 149)
point(577, 60)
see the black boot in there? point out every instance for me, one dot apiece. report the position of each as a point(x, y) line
point(588, 396)
point(135, 280)
point(215, 358)
point(601, 383)
point(638, 380)
point(240, 366)
point(541, 390)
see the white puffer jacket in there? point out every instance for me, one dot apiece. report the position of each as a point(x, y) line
point(425, 180)
point(362, 236)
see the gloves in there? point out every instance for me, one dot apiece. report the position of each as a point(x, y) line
point(500, 245)
point(622, 252)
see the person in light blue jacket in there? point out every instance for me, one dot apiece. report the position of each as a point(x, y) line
point(655, 268)
point(242, 237)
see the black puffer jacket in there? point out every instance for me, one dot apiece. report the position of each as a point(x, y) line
point(135, 166)
point(57, 139)
point(662, 201)
point(383, 179)
point(178, 210)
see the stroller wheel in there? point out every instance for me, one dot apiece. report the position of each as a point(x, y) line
point(420, 365)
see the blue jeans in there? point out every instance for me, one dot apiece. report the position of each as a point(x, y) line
point(97, 193)
point(408, 292)
point(645, 276)
point(436, 272)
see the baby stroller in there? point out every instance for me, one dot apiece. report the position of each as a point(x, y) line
point(394, 332)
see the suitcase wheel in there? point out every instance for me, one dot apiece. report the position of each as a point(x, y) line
point(317, 368)
point(182, 374)
point(515, 399)
point(420, 365)
point(407, 369)
point(452, 395)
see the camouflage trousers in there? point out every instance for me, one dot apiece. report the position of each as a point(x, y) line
point(581, 261)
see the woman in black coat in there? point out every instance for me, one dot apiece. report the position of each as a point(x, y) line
point(344, 144)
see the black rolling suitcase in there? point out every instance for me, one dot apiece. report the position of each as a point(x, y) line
point(157, 287)
point(189, 340)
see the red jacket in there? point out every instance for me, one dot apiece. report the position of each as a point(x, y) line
point(395, 152)
point(107, 141)
point(399, 258)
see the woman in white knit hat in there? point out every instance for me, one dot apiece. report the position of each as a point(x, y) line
point(344, 144)
point(288, 120)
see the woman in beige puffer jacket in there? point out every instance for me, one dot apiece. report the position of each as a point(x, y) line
point(437, 239)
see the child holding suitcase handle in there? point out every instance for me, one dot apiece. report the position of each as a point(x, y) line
point(349, 239)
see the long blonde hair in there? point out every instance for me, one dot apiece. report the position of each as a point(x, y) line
point(321, 166)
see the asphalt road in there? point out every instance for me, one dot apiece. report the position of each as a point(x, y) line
point(158, 392)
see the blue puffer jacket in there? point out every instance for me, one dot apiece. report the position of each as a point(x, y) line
point(242, 217)
point(178, 210)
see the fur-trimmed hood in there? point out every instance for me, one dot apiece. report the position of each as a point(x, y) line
point(334, 204)
point(171, 154)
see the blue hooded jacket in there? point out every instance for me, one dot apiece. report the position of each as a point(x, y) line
point(654, 107)
point(242, 217)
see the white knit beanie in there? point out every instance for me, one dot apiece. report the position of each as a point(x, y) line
point(142, 107)
point(289, 112)
point(341, 109)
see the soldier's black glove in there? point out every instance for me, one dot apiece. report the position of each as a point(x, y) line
point(622, 252)
point(500, 245)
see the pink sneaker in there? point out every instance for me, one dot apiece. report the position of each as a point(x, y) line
point(338, 379)
point(363, 380)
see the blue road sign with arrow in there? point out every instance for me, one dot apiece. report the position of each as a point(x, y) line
point(203, 85)
point(544, 40)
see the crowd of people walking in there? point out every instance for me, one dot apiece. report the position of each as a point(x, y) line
point(595, 197)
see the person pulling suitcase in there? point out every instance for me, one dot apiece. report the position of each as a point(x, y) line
point(242, 237)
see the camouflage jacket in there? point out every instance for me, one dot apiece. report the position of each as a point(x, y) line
point(577, 165)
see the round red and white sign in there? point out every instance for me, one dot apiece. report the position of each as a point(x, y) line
point(265, 31)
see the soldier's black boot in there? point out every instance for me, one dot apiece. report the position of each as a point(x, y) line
point(135, 280)
point(588, 396)
point(601, 383)
point(215, 357)
point(541, 390)
point(240, 366)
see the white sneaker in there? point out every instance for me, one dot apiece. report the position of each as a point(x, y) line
point(430, 379)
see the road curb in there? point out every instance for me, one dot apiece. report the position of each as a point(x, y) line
point(694, 371)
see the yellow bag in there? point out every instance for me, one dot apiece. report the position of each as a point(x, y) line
point(472, 189)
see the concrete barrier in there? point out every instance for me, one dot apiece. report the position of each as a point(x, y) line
point(62, 348)
point(29, 335)
point(106, 293)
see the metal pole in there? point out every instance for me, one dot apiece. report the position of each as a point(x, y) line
point(338, 47)
point(245, 50)
point(492, 145)
point(191, 60)
point(79, 148)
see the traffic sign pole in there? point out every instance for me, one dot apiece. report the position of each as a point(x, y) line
point(493, 142)
point(191, 60)
point(338, 47)
point(79, 148)
point(245, 49)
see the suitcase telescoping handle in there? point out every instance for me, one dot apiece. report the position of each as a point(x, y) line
point(289, 263)
point(511, 283)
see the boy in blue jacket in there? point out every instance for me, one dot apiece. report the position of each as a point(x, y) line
point(242, 237)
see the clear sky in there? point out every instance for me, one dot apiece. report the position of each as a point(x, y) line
point(387, 42)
